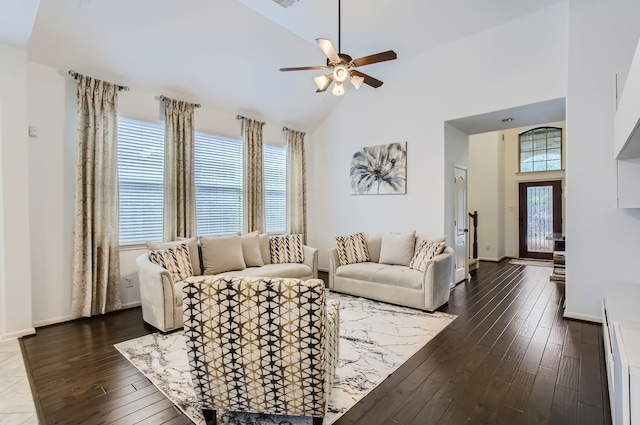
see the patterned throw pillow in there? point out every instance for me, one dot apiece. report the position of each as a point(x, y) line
point(286, 249)
point(176, 260)
point(352, 249)
point(425, 252)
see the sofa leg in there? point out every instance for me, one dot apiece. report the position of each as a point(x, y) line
point(317, 420)
point(209, 416)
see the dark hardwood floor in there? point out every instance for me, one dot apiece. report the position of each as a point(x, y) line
point(509, 358)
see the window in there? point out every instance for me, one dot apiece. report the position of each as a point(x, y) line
point(541, 149)
point(140, 177)
point(275, 188)
point(218, 182)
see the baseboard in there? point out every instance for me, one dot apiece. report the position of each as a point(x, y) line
point(493, 260)
point(52, 321)
point(18, 334)
point(132, 305)
point(323, 270)
point(583, 317)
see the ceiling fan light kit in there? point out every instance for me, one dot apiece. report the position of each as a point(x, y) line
point(342, 67)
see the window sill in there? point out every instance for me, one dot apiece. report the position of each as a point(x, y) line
point(533, 173)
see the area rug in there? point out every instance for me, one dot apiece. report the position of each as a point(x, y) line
point(375, 339)
point(540, 263)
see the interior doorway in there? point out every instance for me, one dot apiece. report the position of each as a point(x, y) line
point(540, 216)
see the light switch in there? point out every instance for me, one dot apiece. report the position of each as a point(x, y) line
point(33, 131)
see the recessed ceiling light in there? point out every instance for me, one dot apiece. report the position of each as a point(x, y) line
point(508, 119)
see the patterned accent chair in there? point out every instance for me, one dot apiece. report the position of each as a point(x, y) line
point(261, 345)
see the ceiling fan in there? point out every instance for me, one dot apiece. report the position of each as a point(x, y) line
point(342, 66)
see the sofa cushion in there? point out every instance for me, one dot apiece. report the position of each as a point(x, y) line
point(352, 249)
point(296, 270)
point(397, 248)
point(251, 249)
point(425, 252)
point(374, 242)
point(175, 259)
point(221, 254)
point(382, 273)
point(192, 246)
point(264, 248)
point(286, 249)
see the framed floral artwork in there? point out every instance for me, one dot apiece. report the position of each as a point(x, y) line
point(378, 170)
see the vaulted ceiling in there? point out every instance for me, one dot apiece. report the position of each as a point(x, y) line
point(226, 54)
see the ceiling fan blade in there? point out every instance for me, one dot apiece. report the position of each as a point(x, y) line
point(328, 49)
point(368, 79)
point(303, 68)
point(378, 57)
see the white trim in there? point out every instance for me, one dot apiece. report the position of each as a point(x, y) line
point(18, 334)
point(585, 317)
point(53, 321)
point(322, 269)
point(493, 260)
point(131, 305)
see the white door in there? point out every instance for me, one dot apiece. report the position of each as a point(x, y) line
point(461, 225)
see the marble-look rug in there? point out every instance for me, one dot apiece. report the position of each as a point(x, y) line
point(375, 339)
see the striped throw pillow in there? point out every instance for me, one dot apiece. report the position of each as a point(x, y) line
point(352, 249)
point(176, 260)
point(286, 249)
point(425, 252)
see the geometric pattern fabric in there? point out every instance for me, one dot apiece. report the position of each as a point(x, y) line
point(175, 260)
point(262, 345)
point(352, 249)
point(425, 252)
point(286, 249)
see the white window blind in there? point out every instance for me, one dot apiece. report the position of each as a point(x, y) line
point(140, 178)
point(275, 188)
point(218, 181)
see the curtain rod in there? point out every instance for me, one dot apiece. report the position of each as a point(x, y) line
point(240, 117)
point(163, 98)
point(291, 129)
point(121, 88)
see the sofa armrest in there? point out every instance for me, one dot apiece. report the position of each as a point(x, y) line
point(437, 279)
point(311, 259)
point(156, 294)
point(334, 261)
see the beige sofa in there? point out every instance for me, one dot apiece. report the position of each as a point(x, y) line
point(395, 283)
point(161, 294)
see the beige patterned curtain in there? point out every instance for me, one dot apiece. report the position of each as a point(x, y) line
point(179, 186)
point(254, 179)
point(95, 285)
point(297, 188)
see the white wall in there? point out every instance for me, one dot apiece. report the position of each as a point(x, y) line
point(603, 243)
point(15, 258)
point(51, 176)
point(421, 93)
point(486, 193)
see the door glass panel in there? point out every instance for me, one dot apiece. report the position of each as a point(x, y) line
point(539, 218)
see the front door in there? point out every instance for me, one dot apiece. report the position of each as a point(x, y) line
point(540, 217)
point(461, 225)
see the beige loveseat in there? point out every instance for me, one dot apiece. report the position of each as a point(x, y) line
point(249, 255)
point(387, 276)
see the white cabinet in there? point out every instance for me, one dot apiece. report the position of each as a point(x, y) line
point(626, 141)
point(621, 329)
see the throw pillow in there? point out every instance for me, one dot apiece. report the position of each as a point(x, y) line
point(397, 248)
point(352, 249)
point(192, 246)
point(286, 249)
point(175, 259)
point(264, 248)
point(425, 252)
point(251, 249)
point(222, 254)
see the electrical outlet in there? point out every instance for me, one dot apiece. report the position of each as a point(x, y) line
point(128, 282)
point(488, 247)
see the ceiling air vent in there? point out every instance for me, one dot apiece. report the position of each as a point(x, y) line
point(285, 3)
